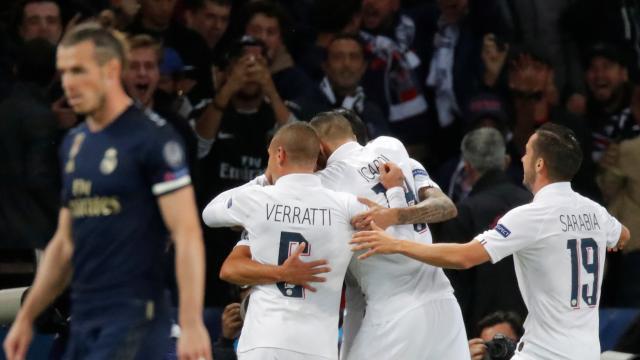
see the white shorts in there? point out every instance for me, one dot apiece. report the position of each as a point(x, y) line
point(277, 354)
point(432, 331)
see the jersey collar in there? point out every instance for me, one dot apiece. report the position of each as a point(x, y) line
point(343, 151)
point(308, 180)
point(552, 190)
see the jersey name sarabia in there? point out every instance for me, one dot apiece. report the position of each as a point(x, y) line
point(392, 284)
point(111, 179)
point(559, 244)
point(297, 209)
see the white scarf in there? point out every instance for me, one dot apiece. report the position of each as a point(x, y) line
point(441, 72)
point(353, 102)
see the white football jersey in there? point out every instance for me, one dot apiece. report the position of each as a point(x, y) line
point(559, 243)
point(297, 209)
point(392, 284)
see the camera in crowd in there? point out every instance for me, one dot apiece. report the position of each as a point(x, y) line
point(500, 348)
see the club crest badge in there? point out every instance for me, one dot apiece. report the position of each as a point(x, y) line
point(109, 161)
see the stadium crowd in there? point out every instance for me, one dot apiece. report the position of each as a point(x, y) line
point(226, 74)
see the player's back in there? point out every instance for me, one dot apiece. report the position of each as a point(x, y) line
point(560, 270)
point(297, 210)
point(392, 284)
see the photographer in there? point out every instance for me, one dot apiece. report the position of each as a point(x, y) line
point(498, 334)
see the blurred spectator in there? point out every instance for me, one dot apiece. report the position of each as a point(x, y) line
point(620, 184)
point(343, 68)
point(608, 21)
point(39, 19)
point(506, 323)
point(328, 18)
point(242, 122)
point(535, 101)
point(156, 18)
point(268, 21)
point(210, 19)
point(488, 287)
point(28, 140)
point(141, 83)
point(392, 79)
point(542, 21)
point(609, 104)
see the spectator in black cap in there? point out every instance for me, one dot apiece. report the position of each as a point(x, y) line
point(609, 110)
point(242, 121)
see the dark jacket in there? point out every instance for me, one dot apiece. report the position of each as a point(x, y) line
point(487, 287)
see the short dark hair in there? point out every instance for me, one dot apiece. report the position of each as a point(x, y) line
point(195, 5)
point(357, 125)
point(498, 317)
point(109, 44)
point(269, 9)
point(332, 16)
point(332, 125)
point(18, 12)
point(346, 36)
point(560, 149)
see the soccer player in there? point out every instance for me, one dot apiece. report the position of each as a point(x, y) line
point(288, 318)
point(411, 311)
point(123, 173)
point(558, 242)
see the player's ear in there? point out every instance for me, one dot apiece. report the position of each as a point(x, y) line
point(282, 155)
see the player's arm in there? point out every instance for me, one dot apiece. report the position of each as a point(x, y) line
point(53, 276)
point(226, 209)
point(451, 256)
point(239, 268)
point(434, 205)
point(179, 212)
point(625, 235)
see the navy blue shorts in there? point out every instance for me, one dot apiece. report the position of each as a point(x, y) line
point(126, 329)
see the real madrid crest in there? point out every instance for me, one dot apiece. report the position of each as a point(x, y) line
point(109, 161)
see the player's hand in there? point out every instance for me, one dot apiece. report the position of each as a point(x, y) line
point(391, 175)
point(297, 272)
point(477, 348)
point(376, 241)
point(231, 321)
point(16, 344)
point(383, 216)
point(194, 342)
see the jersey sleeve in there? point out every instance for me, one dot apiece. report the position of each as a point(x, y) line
point(355, 207)
point(396, 197)
point(165, 162)
point(421, 176)
point(612, 228)
point(516, 230)
point(230, 208)
point(244, 239)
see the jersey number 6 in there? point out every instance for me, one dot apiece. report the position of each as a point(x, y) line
point(288, 242)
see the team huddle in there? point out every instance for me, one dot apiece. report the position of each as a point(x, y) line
point(328, 214)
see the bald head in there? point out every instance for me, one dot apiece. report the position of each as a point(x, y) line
point(332, 127)
point(300, 141)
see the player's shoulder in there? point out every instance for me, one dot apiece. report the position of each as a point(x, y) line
point(76, 131)
point(386, 142)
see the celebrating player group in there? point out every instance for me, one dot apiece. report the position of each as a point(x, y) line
point(329, 217)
